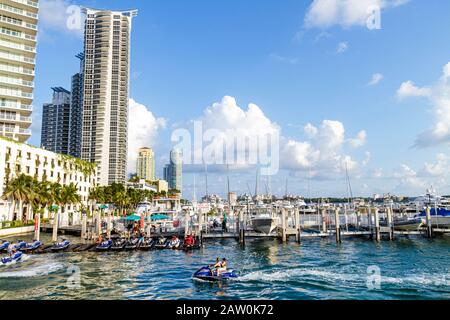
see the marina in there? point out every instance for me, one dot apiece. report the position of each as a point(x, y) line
point(410, 268)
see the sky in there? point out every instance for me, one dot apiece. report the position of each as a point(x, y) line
point(344, 90)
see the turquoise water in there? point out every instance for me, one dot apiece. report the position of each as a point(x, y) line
point(410, 268)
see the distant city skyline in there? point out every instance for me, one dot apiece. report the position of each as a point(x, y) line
point(337, 91)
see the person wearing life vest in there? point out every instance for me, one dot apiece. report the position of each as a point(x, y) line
point(223, 267)
point(11, 250)
point(189, 241)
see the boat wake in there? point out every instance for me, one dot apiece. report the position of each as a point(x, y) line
point(300, 274)
point(32, 272)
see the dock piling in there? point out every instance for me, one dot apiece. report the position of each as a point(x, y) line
point(429, 225)
point(37, 226)
point(298, 226)
point(377, 225)
point(186, 223)
point(337, 225)
point(323, 213)
point(83, 227)
point(283, 225)
point(390, 222)
point(55, 226)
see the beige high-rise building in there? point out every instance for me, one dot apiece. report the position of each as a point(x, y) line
point(18, 30)
point(146, 164)
point(106, 82)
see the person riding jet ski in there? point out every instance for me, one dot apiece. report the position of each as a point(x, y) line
point(189, 241)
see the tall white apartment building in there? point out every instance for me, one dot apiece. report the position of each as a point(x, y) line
point(18, 30)
point(106, 82)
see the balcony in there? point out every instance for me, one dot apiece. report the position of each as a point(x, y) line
point(17, 70)
point(18, 47)
point(27, 3)
point(19, 13)
point(18, 35)
point(16, 94)
point(16, 58)
point(20, 108)
point(19, 24)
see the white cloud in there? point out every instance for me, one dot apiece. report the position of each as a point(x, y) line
point(321, 153)
point(142, 131)
point(61, 16)
point(360, 140)
point(342, 47)
point(438, 169)
point(278, 58)
point(376, 78)
point(409, 180)
point(345, 13)
point(408, 89)
point(439, 96)
point(368, 157)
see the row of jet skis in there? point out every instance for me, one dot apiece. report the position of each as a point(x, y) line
point(203, 274)
point(123, 244)
point(22, 247)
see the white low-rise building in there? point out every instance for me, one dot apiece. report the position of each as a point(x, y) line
point(18, 158)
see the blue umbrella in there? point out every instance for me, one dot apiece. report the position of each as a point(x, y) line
point(160, 217)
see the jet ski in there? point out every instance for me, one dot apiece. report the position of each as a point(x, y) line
point(147, 244)
point(10, 260)
point(175, 243)
point(31, 246)
point(206, 274)
point(132, 244)
point(119, 244)
point(190, 246)
point(161, 243)
point(20, 245)
point(4, 245)
point(105, 245)
point(61, 246)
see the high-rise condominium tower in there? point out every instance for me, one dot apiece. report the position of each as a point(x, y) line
point(173, 172)
point(106, 82)
point(146, 164)
point(56, 122)
point(18, 29)
point(76, 111)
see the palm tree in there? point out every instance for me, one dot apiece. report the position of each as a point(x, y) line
point(69, 195)
point(19, 190)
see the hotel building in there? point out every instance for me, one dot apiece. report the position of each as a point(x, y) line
point(19, 158)
point(18, 30)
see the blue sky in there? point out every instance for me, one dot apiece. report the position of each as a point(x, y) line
point(188, 55)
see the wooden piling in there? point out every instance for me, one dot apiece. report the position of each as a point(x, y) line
point(241, 227)
point(37, 226)
point(323, 213)
point(298, 226)
point(55, 226)
point(283, 225)
point(84, 228)
point(377, 225)
point(337, 225)
point(108, 225)
point(390, 223)
point(186, 223)
point(358, 219)
point(429, 225)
